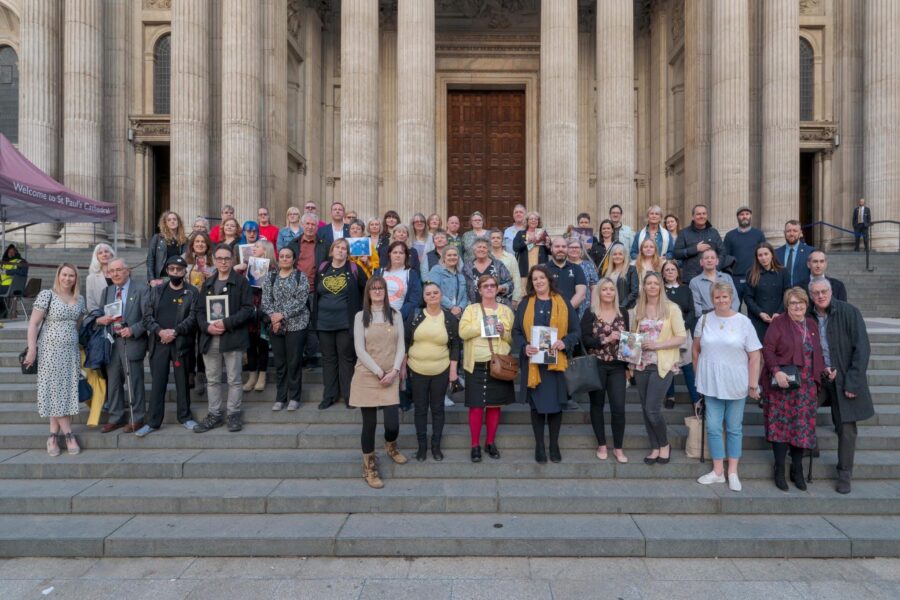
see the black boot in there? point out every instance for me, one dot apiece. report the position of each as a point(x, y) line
point(797, 477)
point(476, 454)
point(540, 455)
point(780, 483)
point(422, 452)
point(436, 449)
point(555, 455)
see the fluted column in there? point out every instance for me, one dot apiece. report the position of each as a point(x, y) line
point(415, 98)
point(83, 111)
point(39, 97)
point(190, 109)
point(780, 114)
point(559, 113)
point(359, 105)
point(696, 102)
point(730, 111)
point(882, 105)
point(274, 126)
point(615, 107)
point(241, 101)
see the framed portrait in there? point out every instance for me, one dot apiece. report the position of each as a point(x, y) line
point(246, 251)
point(543, 339)
point(360, 246)
point(489, 326)
point(216, 308)
point(257, 269)
point(113, 309)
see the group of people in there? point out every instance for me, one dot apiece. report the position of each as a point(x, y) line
point(393, 312)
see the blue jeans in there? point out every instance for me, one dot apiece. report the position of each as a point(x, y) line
point(687, 370)
point(732, 413)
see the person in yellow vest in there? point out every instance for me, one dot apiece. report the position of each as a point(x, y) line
point(12, 264)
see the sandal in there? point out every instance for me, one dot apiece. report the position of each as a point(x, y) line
point(52, 445)
point(72, 446)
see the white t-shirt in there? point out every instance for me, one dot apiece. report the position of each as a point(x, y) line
point(397, 282)
point(722, 370)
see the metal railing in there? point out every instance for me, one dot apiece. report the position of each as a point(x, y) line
point(855, 235)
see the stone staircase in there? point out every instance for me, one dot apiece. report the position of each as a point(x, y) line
point(290, 484)
point(875, 293)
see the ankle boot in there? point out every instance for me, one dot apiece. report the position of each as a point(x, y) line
point(780, 483)
point(391, 449)
point(436, 449)
point(370, 471)
point(555, 455)
point(251, 381)
point(422, 452)
point(540, 455)
point(260, 382)
point(843, 483)
point(797, 476)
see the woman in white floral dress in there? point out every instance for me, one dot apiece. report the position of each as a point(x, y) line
point(56, 349)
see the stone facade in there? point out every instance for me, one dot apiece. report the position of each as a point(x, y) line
point(669, 102)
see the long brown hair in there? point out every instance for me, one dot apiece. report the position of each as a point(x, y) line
point(166, 232)
point(189, 255)
point(757, 269)
point(367, 302)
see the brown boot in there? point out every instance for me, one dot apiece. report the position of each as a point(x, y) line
point(370, 471)
point(391, 449)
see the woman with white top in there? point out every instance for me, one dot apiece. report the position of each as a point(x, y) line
point(726, 356)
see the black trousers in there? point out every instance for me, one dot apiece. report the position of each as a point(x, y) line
point(613, 376)
point(287, 351)
point(161, 358)
point(554, 423)
point(370, 422)
point(846, 430)
point(861, 232)
point(428, 392)
point(338, 360)
point(257, 353)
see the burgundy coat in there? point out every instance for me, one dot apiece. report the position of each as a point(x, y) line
point(783, 346)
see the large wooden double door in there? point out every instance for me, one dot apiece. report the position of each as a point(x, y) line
point(485, 154)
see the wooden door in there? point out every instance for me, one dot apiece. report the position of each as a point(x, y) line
point(485, 154)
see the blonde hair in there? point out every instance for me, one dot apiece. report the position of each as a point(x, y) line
point(404, 228)
point(656, 259)
point(166, 232)
point(595, 296)
point(609, 264)
point(76, 289)
point(269, 248)
point(640, 312)
point(796, 292)
point(96, 267)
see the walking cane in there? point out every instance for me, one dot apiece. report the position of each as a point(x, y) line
point(702, 432)
point(127, 367)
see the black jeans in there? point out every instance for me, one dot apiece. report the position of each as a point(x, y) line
point(846, 430)
point(370, 422)
point(428, 391)
point(257, 353)
point(338, 360)
point(162, 356)
point(287, 350)
point(613, 377)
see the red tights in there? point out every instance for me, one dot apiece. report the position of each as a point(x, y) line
point(476, 416)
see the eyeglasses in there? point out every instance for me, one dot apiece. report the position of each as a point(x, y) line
point(820, 293)
point(488, 285)
point(223, 258)
point(796, 303)
point(379, 289)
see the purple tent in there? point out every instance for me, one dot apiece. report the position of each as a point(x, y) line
point(28, 195)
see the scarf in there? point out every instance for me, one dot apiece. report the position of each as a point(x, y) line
point(559, 318)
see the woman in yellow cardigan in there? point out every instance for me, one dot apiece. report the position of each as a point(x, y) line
point(484, 394)
point(662, 326)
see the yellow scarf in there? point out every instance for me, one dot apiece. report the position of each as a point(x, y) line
point(559, 318)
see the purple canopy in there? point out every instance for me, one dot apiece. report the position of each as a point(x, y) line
point(28, 195)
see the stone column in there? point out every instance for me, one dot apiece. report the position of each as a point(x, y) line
point(780, 115)
point(696, 104)
point(615, 108)
point(312, 38)
point(274, 125)
point(359, 106)
point(882, 105)
point(39, 96)
point(415, 102)
point(83, 111)
point(730, 111)
point(241, 102)
point(559, 114)
point(190, 109)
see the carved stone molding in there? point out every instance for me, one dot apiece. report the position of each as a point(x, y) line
point(158, 4)
point(817, 132)
point(295, 18)
point(809, 6)
point(150, 129)
point(478, 45)
point(329, 181)
point(677, 22)
point(497, 14)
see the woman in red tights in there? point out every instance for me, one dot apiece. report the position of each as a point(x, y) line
point(485, 327)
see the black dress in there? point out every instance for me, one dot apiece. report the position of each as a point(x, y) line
point(767, 296)
point(681, 295)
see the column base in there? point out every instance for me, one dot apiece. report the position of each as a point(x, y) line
point(80, 235)
point(35, 236)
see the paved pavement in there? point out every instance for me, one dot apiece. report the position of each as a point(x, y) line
point(451, 578)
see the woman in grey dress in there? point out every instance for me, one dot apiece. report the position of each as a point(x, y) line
point(55, 345)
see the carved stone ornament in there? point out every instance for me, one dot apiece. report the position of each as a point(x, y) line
point(329, 181)
point(295, 18)
point(158, 4)
point(496, 12)
point(817, 133)
point(677, 22)
point(808, 6)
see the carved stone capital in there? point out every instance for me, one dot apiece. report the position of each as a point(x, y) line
point(158, 4)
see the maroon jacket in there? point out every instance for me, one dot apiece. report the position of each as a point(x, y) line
point(783, 346)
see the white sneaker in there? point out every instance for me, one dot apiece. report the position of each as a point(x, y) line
point(734, 483)
point(190, 424)
point(711, 477)
point(277, 406)
point(293, 405)
point(448, 402)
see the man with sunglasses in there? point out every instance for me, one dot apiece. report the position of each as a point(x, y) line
point(224, 341)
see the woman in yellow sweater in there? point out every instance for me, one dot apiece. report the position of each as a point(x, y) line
point(432, 347)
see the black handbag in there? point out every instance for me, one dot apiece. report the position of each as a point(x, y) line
point(32, 370)
point(85, 391)
point(583, 374)
point(793, 377)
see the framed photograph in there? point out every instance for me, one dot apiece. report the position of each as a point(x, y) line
point(630, 347)
point(489, 327)
point(583, 234)
point(257, 270)
point(216, 308)
point(246, 251)
point(543, 339)
point(113, 309)
point(360, 246)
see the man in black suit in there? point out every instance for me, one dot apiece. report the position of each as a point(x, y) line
point(332, 231)
point(818, 265)
point(862, 219)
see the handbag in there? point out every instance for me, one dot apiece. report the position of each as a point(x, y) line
point(503, 366)
point(793, 377)
point(695, 444)
point(85, 391)
point(582, 374)
point(32, 370)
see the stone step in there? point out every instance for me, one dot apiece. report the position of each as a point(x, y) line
point(530, 496)
point(346, 463)
point(436, 534)
point(337, 436)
